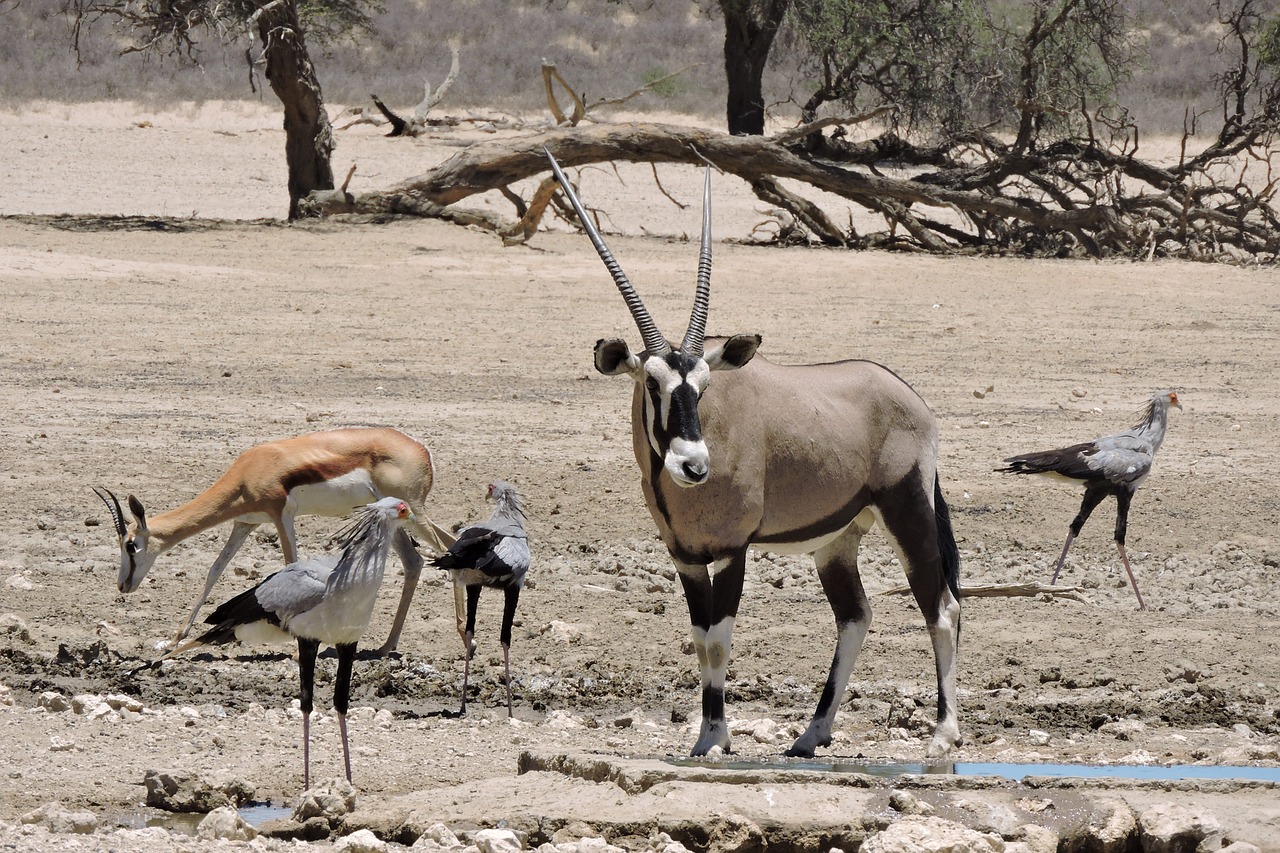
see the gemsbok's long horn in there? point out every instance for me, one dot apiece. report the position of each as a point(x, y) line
point(654, 341)
point(113, 507)
point(697, 333)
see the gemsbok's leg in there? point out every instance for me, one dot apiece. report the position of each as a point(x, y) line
point(920, 529)
point(713, 606)
point(838, 571)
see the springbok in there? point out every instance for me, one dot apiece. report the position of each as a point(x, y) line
point(326, 473)
point(806, 459)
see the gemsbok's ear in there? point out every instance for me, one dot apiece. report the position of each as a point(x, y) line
point(733, 353)
point(614, 357)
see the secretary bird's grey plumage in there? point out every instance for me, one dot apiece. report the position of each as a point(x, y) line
point(1111, 465)
point(325, 599)
point(492, 553)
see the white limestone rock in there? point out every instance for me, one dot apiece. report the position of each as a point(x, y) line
point(360, 841)
point(438, 837)
point(58, 819)
point(225, 823)
point(497, 841)
point(926, 834)
point(1172, 828)
point(330, 800)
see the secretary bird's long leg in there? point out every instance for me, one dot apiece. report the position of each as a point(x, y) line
point(240, 531)
point(468, 641)
point(1092, 498)
point(1122, 525)
point(508, 616)
point(307, 651)
point(342, 697)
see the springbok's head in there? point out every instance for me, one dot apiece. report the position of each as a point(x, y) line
point(135, 557)
point(671, 379)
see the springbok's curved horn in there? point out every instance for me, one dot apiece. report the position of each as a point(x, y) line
point(654, 341)
point(697, 333)
point(113, 507)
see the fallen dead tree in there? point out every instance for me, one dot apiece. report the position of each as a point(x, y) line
point(1086, 201)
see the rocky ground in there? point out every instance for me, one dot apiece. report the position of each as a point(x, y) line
point(143, 356)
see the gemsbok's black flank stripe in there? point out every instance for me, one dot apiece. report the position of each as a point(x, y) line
point(838, 520)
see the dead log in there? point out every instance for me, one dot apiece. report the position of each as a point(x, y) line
point(419, 122)
point(1016, 202)
point(491, 164)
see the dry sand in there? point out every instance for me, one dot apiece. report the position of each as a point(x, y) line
point(144, 356)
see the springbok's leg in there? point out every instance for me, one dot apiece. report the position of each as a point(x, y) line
point(288, 538)
point(916, 530)
point(1122, 525)
point(838, 571)
point(1092, 498)
point(240, 531)
point(437, 538)
point(412, 562)
point(713, 607)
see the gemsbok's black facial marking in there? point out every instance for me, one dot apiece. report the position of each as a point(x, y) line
point(673, 386)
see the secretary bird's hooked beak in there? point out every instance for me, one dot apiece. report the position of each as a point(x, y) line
point(1173, 400)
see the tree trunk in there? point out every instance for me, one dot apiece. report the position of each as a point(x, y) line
point(308, 135)
point(749, 29)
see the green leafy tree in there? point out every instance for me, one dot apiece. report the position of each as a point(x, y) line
point(953, 67)
point(910, 55)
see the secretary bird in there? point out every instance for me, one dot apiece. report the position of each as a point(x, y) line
point(325, 599)
point(1112, 465)
point(493, 553)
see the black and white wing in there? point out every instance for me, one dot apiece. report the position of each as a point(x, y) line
point(1071, 462)
point(1121, 459)
point(293, 590)
point(493, 555)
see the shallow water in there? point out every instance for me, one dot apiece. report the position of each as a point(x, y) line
point(254, 814)
point(1009, 770)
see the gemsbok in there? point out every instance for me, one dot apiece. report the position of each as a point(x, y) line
point(792, 459)
point(327, 473)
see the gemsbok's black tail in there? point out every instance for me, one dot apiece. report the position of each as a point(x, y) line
point(947, 547)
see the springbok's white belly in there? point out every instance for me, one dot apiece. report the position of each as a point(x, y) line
point(334, 497)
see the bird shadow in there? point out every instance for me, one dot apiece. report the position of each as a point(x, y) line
point(442, 714)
